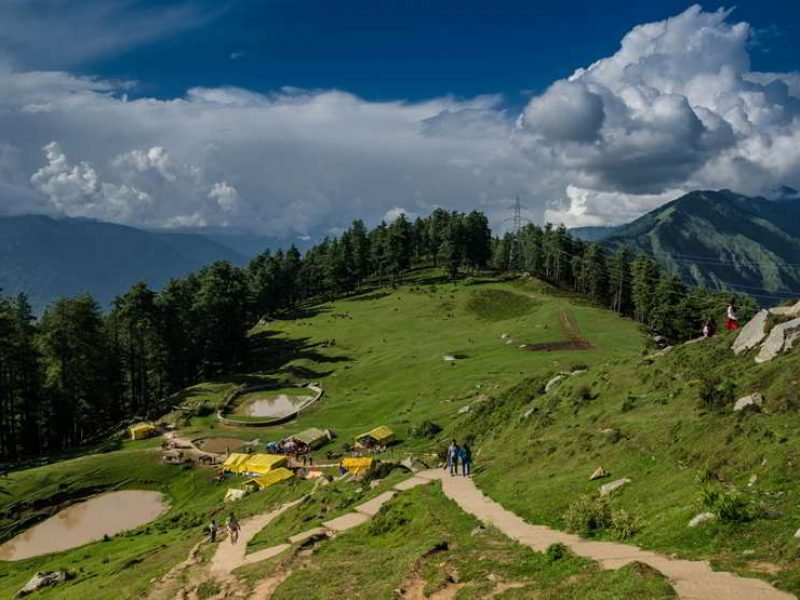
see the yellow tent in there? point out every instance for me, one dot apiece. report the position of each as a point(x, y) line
point(357, 464)
point(260, 464)
point(234, 462)
point(141, 431)
point(270, 478)
point(382, 436)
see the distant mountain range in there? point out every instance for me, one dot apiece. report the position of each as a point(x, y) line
point(720, 240)
point(47, 258)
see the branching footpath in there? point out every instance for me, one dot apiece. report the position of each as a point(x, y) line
point(692, 580)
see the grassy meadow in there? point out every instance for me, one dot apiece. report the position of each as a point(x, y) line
point(433, 351)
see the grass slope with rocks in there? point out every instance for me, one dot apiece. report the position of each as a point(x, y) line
point(384, 358)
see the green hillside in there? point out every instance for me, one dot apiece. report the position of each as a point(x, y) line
point(722, 240)
point(451, 354)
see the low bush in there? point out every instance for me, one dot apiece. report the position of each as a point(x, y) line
point(715, 393)
point(729, 505)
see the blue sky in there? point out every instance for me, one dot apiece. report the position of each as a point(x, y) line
point(291, 118)
point(413, 49)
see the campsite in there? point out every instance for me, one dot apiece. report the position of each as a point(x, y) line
point(354, 457)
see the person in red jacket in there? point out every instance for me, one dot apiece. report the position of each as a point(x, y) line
point(731, 320)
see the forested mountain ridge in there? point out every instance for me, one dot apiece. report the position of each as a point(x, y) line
point(722, 240)
point(47, 258)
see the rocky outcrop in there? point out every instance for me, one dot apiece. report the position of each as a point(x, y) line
point(786, 311)
point(782, 337)
point(752, 334)
point(751, 401)
point(770, 343)
point(41, 580)
point(608, 488)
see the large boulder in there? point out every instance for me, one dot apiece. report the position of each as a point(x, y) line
point(786, 311)
point(751, 401)
point(752, 334)
point(606, 489)
point(41, 580)
point(782, 337)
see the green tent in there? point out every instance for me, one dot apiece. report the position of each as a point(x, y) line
point(314, 437)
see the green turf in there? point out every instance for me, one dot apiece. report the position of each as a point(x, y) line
point(380, 359)
point(422, 541)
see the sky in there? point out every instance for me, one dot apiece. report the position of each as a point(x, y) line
point(292, 117)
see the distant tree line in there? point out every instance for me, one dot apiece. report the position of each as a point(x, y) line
point(77, 373)
point(631, 285)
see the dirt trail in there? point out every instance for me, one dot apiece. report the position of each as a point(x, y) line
point(575, 339)
point(692, 580)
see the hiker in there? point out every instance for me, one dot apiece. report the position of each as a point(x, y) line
point(709, 328)
point(452, 457)
point(233, 529)
point(731, 320)
point(466, 460)
point(212, 531)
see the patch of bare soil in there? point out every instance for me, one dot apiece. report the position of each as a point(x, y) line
point(576, 340)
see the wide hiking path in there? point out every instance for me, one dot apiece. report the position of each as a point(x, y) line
point(691, 579)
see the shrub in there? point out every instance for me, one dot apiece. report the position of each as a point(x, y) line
point(716, 393)
point(426, 430)
point(728, 505)
point(588, 515)
point(556, 552)
point(629, 403)
point(208, 589)
point(624, 525)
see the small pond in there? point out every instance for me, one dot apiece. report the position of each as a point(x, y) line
point(84, 522)
point(273, 404)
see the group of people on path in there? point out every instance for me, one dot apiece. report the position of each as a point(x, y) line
point(231, 524)
point(459, 455)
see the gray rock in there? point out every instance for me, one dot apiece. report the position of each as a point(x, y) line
point(753, 400)
point(752, 334)
point(786, 311)
point(528, 413)
point(606, 489)
point(776, 341)
point(797, 534)
point(41, 580)
point(702, 518)
point(478, 530)
point(553, 382)
point(464, 409)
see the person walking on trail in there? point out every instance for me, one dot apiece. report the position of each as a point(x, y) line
point(212, 531)
point(452, 457)
point(466, 460)
point(709, 328)
point(233, 529)
point(731, 320)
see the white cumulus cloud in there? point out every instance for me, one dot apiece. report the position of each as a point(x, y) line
point(676, 108)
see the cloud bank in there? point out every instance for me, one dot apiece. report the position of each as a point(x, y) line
point(675, 108)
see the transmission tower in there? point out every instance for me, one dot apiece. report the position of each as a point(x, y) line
point(515, 248)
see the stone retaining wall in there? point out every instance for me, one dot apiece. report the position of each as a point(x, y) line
point(233, 396)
